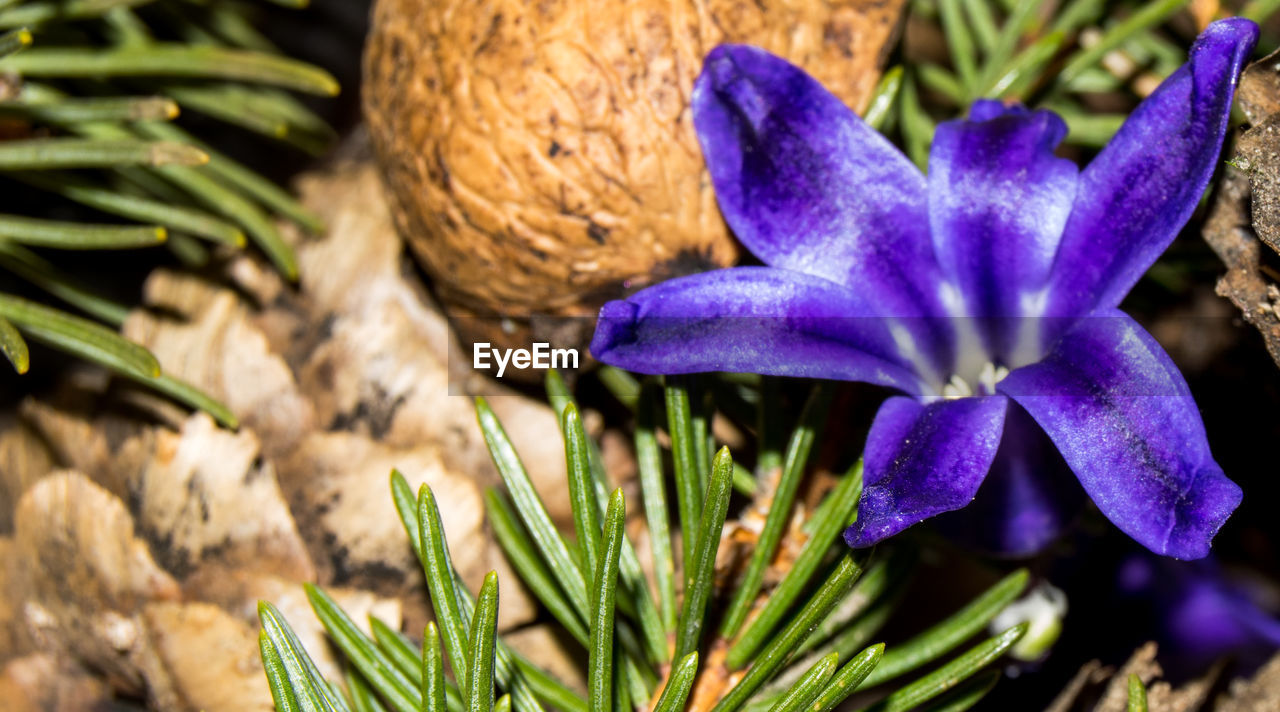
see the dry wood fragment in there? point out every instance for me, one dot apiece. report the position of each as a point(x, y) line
point(44, 683)
point(1261, 693)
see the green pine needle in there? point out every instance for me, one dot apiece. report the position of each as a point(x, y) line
point(700, 579)
point(1142, 20)
point(35, 269)
point(951, 674)
point(775, 654)
point(967, 694)
point(13, 346)
point(582, 496)
point(845, 498)
point(43, 11)
point(688, 491)
point(809, 686)
point(90, 109)
point(676, 693)
point(1137, 694)
point(172, 60)
point(399, 690)
point(649, 464)
point(946, 635)
point(812, 420)
point(848, 678)
point(78, 236)
point(189, 395)
point(533, 513)
point(620, 676)
point(15, 40)
point(438, 569)
point(483, 641)
point(42, 154)
point(296, 683)
point(79, 337)
point(185, 219)
point(515, 543)
point(600, 684)
point(363, 698)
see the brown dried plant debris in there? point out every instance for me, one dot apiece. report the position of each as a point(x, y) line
point(1243, 226)
point(1248, 284)
point(1261, 693)
point(44, 683)
point(335, 382)
point(542, 157)
point(1097, 688)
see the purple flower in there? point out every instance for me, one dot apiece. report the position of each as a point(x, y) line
point(1197, 614)
point(986, 293)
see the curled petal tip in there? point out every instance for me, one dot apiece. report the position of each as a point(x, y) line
point(1240, 30)
point(615, 326)
point(1191, 537)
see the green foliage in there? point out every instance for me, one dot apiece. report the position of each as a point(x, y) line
point(1137, 694)
point(811, 651)
point(1051, 55)
point(96, 85)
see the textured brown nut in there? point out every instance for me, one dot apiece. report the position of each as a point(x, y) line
point(541, 155)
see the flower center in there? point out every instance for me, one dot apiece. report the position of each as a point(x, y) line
point(983, 385)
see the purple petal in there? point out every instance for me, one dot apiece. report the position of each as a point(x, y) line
point(1026, 501)
point(1124, 420)
point(1141, 189)
point(807, 186)
point(922, 460)
point(752, 319)
point(1200, 614)
point(998, 201)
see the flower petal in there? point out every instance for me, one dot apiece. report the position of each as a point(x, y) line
point(751, 319)
point(998, 201)
point(922, 460)
point(1026, 501)
point(807, 186)
point(1124, 420)
point(1142, 188)
point(1197, 613)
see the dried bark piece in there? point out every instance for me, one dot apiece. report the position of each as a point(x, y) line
point(1090, 674)
point(1246, 282)
point(43, 683)
point(79, 549)
point(215, 346)
point(14, 640)
point(86, 431)
point(24, 458)
point(1259, 156)
point(1080, 693)
point(338, 487)
point(1258, 92)
point(1143, 664)
point(553, 188)
point(191, 501)
point(376, 355)
point(210, 659)
point(337, 484)
point(1259, 694)
point(238, 593)
point(84, 575)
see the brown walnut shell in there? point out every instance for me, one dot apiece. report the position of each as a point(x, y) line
point(541, 155)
